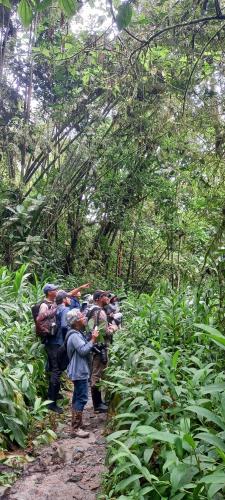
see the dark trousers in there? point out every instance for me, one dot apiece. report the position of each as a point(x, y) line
point(55, 373)
point(80, 394)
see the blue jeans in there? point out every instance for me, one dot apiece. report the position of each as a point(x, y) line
point(80, 394)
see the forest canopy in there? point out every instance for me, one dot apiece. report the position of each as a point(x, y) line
point(112, 139)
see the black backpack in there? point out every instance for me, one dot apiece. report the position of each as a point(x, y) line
point(62, 356)
point(89, 313)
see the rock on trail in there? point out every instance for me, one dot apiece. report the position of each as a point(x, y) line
point(69, 468)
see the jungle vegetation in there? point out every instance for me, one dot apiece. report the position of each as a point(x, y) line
point(112, 171)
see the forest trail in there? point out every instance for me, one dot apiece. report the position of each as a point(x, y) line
point(69, 468)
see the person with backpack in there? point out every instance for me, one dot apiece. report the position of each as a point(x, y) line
point(50, 333)
point(98, 315)
point(53, 338)
point(78, 350)
point(113, 311)
point(63, 302)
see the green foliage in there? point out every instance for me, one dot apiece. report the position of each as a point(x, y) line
point(124, 15)
point(167, 405)
point(25, 12)
point(69, 7)
point(22, 361)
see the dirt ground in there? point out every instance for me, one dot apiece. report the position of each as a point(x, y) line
point(69, 468)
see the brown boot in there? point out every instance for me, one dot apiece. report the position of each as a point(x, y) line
point(77, 431)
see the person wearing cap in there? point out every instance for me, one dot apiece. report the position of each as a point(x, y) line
point(63, 302)
point(78, 350)
point(113, 311)
point(48, 308)
point(101, 300)
point(75, 301)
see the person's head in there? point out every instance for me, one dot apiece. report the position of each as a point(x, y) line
point(75, 319)
point(113, 299)
point(50, 291)
point(101, 298)
point(62, 297)
point(78, 295)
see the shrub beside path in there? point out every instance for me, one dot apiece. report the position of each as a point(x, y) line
point(69, 468)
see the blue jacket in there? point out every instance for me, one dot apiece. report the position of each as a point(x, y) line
point(75, 304)
point(78, 349)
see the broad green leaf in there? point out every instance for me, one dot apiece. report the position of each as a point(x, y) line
point(124, 15)
point(181, 475)
point(211, 439)
point(209, 415)
point(213, 388)
point(69, 7)
point(25, 12)
point(121, 416)
point(147, 454)
point(165, 437)
point(175, 359)
point(157, 397)
point(116, 435)
point(179, 447)
point(135, 460)
point(213, 334)
point(209, 329)
point(18, 434)
point(37, 404)
point(122, 485)
point(213, 489)
point(189, 439)
point(6, 3)
point(117, 456)
point(144, 430)
point(214, 478)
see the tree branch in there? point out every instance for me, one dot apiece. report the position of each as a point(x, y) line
point(196, 63)
point(175, 26)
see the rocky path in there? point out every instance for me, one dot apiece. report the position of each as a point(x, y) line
point(70, 468)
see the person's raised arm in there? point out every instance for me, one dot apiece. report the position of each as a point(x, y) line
point(73, 292)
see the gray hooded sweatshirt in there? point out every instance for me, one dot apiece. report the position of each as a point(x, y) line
point(78, 349)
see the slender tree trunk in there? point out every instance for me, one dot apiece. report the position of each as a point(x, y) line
point(131, 254)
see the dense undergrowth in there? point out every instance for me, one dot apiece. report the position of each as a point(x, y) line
point(165, 380)
point(22, 363)
point(167, 388)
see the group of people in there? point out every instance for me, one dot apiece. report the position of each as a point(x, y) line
point(85, 329)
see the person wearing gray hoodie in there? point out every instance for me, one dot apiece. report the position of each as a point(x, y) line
point(78, 350)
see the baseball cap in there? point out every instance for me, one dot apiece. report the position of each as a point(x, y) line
point(49, 287)
point(60, 296)
point(99, 293)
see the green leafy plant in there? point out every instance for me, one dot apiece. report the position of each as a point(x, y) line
point(167, 405)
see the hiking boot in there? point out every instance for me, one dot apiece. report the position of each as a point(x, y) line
point(99, 406)
point(80, 433)
point(102, 408)
point(54, 407)
point(77, 430)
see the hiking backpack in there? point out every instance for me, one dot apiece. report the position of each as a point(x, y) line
point(45, 327)
point(89, 313)
point(62, 356)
